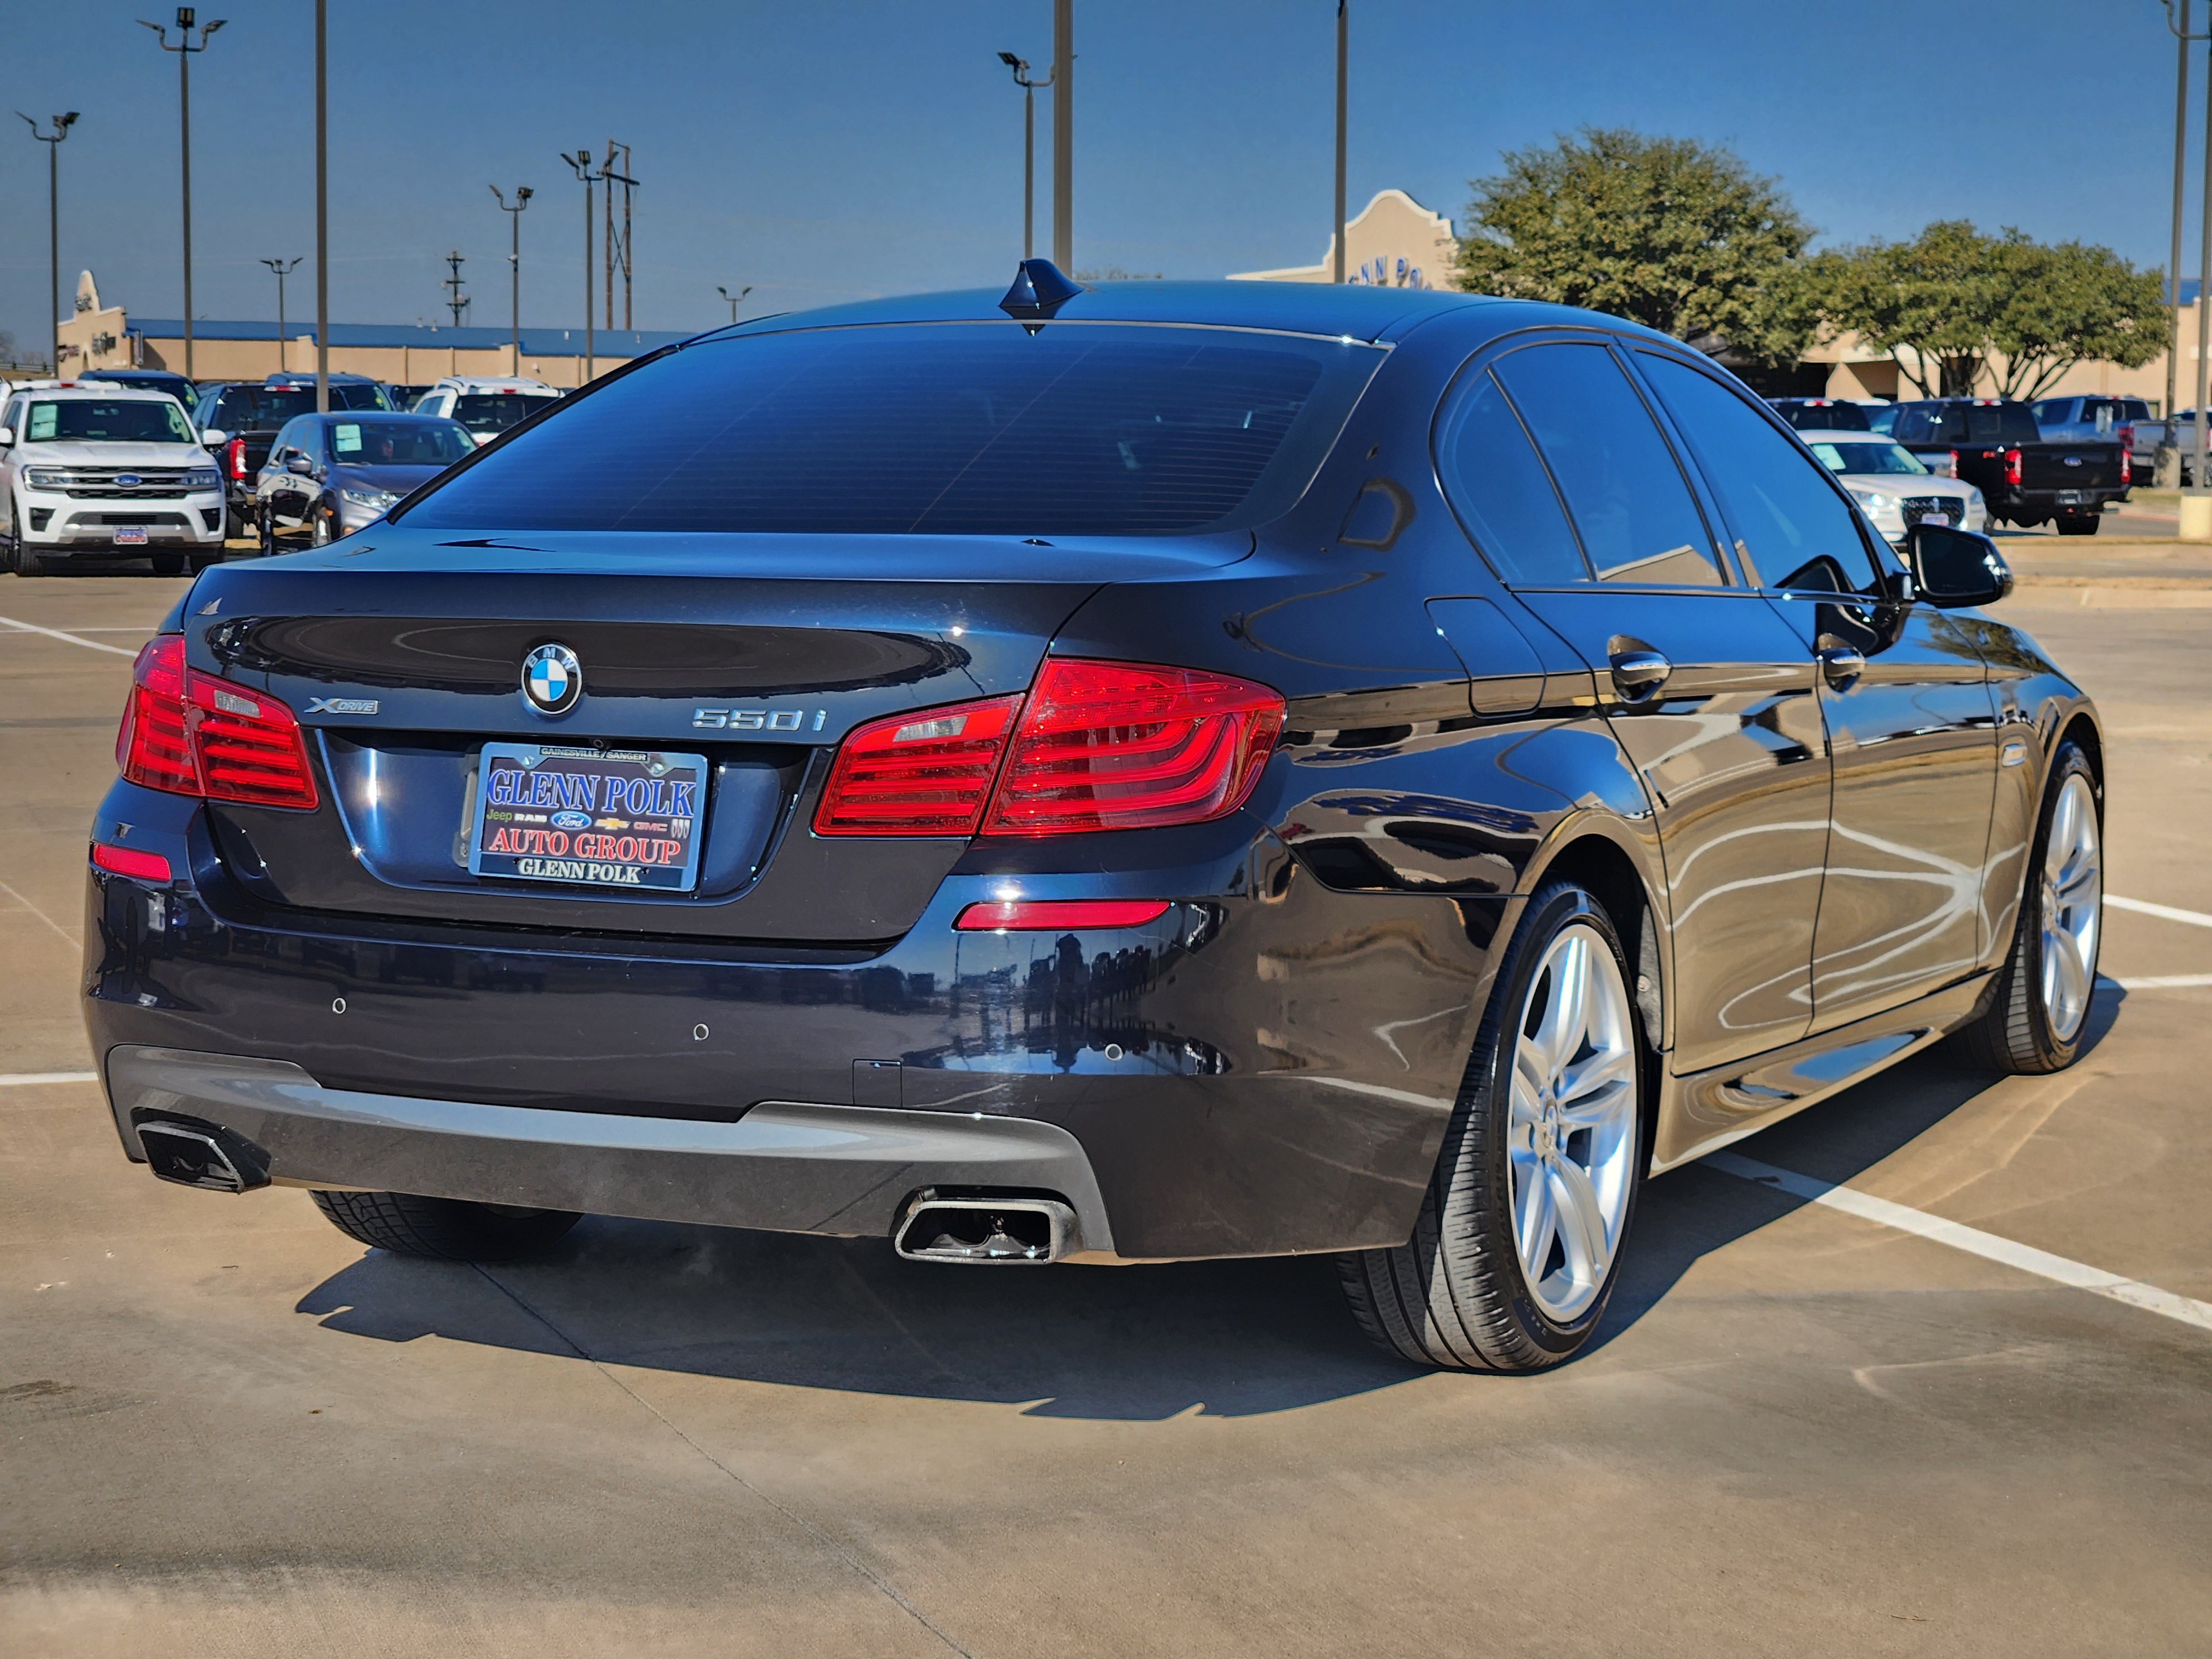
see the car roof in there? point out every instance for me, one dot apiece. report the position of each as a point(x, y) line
point(106, 392)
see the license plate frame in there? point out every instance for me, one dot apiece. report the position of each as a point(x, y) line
point(130, 534)
point(2070, 498)
point(1941, 520)
point(566, 834)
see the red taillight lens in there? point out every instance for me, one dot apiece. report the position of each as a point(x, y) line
point(2127, 468)
point(190, 734)
point(2012, 466)
point(927, 772)
point(1057, 916)
point(130, 861)
point(1953, 472)
point(1117, 745)
point(236, 451)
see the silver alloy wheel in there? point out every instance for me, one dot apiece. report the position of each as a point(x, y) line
point(2072, 908)
point(1572, 1139)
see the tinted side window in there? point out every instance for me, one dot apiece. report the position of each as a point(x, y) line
point(1624, 490)
point(1796, 532)
point(1500, 490)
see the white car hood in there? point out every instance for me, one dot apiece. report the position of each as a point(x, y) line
point(113, 454)
point(1896, 483)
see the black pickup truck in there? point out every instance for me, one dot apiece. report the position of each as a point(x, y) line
point(249, 415)
point(1994, 444)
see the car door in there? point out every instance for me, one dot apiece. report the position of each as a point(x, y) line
point(1702, 684)
point(1905, 697)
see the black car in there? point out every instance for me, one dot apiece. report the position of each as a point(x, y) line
point(1162, 771)
point(1822, 414)
point(148, 380)
point(327, 476)
point(248, 414)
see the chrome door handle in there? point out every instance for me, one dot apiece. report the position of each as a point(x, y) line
point(1840, 664)
point(1637, 675)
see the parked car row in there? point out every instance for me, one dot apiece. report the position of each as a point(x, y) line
point(222, 456)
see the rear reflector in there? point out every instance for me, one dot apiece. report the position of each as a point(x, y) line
point(190, 734)
point(1118, 745)
point(129, 861)
point(927, 772)
point(1037, 915)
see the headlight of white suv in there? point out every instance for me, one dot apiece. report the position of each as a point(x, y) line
point(375, 500)
point(1874, 500)
point(37, 479)
point(202, 478)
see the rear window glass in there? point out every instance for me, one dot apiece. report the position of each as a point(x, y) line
point(495, 411)
point(974, 429)
point(1824, 417)
point(143, 420)
point(263, 408)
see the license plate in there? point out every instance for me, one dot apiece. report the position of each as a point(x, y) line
point(130, 536)
point(622, 818)
point(1939, 519)
point(2069, 498)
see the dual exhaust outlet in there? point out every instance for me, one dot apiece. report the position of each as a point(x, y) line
point(994, 1232)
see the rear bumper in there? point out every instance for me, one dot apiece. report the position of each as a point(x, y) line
point(784, 1166)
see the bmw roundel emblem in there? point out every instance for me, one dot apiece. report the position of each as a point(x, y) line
point(552, 679)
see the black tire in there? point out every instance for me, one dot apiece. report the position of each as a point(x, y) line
point(2079, 524)
point(2015, 1034)
point(233, 524)
point(168, 564)
point(31, 563)
point(12, 549)
point(322, 526)
point(264, 529)
point(445, 1229)
point(1455, 1296)
point(202, 561)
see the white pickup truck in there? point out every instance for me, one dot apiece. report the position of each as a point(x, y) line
point(103, 471)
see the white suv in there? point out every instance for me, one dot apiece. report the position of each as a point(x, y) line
point(487, 406)
point(105, 470)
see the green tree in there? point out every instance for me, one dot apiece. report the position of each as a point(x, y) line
point(1954, 308)
point(1676, 235)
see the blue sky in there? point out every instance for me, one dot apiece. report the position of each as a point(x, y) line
point(838, 148)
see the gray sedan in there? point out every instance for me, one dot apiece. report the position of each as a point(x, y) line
point(328, 476)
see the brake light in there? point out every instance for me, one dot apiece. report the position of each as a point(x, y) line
point(130, 861)
point(190, 734)
point(927, 772)
point(235, 452)
point(1117, 745)
point(1953, 472)
point(1095, 746)
point(1056, 915)
point(2126, 434)
point(2012, 466)
point(2127, 464)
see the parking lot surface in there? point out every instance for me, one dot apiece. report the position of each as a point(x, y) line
point(228, 1429)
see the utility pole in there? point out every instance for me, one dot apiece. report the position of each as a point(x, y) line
point(322, 208)
point(617, 240)
point(522, 194)
point(1343, 104)
point(185, 51)
point(1021, 69)
point(581, 160)
point(2168, 470)
point(735, 300)
point(1063, 134)
point(284, 267)
point(2198, 480)
point(61, 124)
point(460, 301)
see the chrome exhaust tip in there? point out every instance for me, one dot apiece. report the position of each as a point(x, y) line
point(996, 1232)
point(194, 1156)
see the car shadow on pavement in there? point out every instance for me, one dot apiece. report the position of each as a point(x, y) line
point(1230, 1338)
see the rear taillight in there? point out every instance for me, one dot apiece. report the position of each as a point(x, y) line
point(2126, 434)
point(235, 450)
point(1953, 472)
point(2012, 466)
point(2127, 468)
point(130, 861)
point(1117, 745)
point(1095, 746)
point(924, 773)
point(190, 734)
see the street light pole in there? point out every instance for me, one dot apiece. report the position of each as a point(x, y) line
point(1063, 134)
point(2168, 472)
point(1021, 69)
point(581, 160)
point(1343, 41)
point(284, 267)
point(186, 50)
point(61, 123)
point(322, 208)
point(735, 300)
point(522, 194)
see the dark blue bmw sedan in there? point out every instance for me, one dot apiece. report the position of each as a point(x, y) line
point(1134, 773)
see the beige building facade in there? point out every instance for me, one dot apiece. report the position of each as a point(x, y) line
point(1395, 242)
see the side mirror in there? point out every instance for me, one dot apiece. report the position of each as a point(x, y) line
point(214, 438)
point(300, 465)
point(1952, 568)
point(7, 437)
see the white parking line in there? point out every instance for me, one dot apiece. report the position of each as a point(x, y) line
point(2163, 983)
point(19, 1080)
point(56, 634)
point(2165, 912)
point(1973, 1240)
